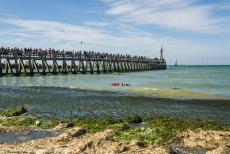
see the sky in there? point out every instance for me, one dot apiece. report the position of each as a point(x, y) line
point(195, 32)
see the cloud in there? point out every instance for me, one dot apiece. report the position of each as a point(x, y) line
point(121, 38)
point(176, 14)
point(57, 30)
point(93, 34)
point(98, 24)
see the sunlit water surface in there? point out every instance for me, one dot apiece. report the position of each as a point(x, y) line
point(187, 91)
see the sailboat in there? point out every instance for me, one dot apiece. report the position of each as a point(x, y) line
point(176, 63)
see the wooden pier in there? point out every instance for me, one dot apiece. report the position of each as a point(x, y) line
point(16, 63)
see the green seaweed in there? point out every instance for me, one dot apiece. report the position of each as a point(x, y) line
point(18, 121)
point(16, 111)
point(132, 119)
point(162, 130)
point(97, 125)
point(47, 124)
point(157, 130)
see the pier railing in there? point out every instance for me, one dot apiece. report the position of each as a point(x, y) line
point(29, 62)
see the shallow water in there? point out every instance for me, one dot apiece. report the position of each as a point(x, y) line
point(184, 91)
point(13, 137)
point(63, 103)
point(202, 82)
point(187, 150)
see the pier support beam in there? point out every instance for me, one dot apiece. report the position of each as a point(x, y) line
point(65, 69)
point(73, 67)
point(1, 66)
point(55, 64)
point(31, 65)
point(16, 65)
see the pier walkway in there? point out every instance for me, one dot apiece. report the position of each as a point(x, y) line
point(28, 61)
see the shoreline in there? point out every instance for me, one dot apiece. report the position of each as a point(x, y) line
point(156, 134)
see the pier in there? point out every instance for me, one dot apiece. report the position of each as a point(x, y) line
point(28, 61)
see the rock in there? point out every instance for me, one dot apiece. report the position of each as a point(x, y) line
point(122, 149)
point(38, 123)
point(134, 119)
point(75, 132)
point(108, 134)
point(69, 134)
point(220, 150)
point(137, 143)
point(84, 145)
point(61, 126)
point(42, 151)
point(101, 142)
point(16, 111)
point(205, 139)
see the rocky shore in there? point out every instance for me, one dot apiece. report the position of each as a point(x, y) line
point(76, 140)
point(155, 136)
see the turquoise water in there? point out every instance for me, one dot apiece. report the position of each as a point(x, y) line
point(186, 82)
point(184, 91)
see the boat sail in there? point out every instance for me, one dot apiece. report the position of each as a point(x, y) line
point(176, 63)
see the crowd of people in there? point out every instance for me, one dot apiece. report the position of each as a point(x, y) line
point(6, 51)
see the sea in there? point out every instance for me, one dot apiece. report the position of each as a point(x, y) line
point(180, 91)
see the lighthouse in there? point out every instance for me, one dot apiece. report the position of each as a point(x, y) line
point(161, 51)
